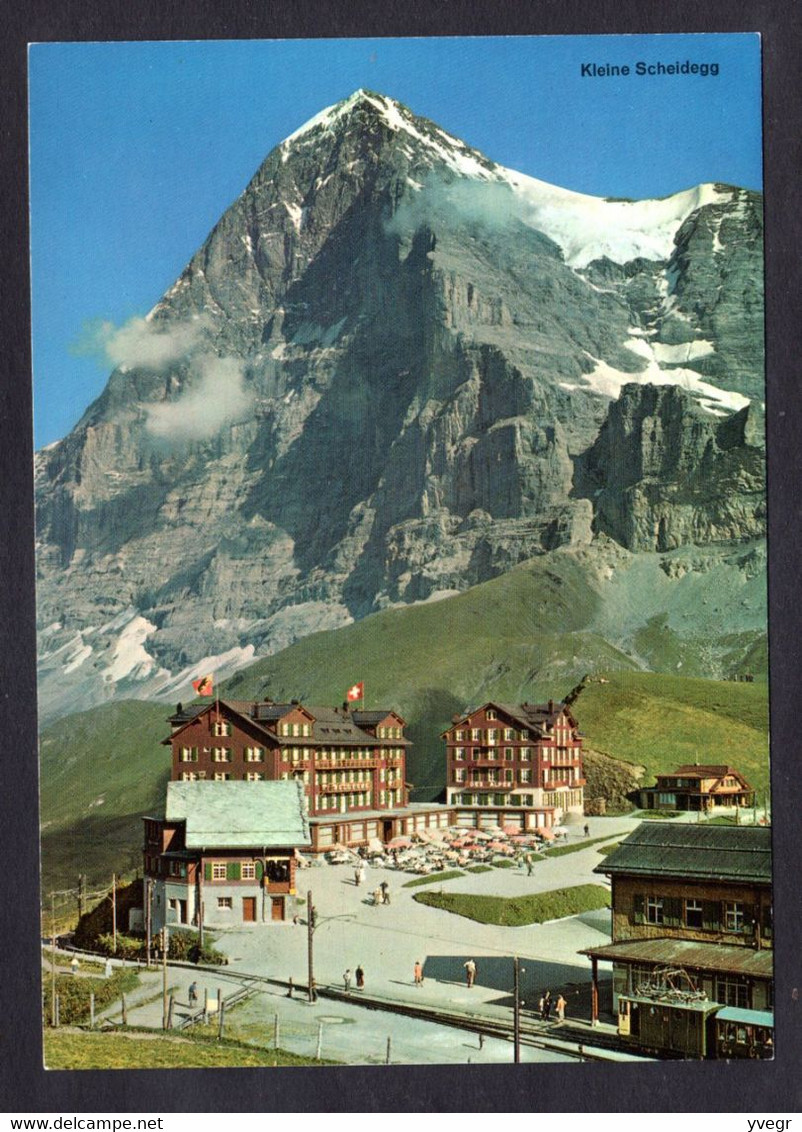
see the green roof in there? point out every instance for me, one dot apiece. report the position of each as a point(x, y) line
point(693, 852)
point(239, 815)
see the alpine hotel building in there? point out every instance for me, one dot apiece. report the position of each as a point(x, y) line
point(514, 765)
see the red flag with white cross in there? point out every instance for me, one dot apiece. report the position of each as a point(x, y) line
point(356, 692)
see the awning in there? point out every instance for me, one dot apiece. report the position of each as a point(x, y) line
point(689, 954)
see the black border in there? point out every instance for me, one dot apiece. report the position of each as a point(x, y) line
point(664, 1087)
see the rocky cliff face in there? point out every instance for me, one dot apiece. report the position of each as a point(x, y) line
point(392, 372)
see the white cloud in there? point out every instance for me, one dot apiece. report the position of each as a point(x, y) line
point(142, 343)
point(215, 398)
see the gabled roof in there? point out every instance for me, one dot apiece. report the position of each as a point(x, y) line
point(329, 725)
point(693, 852)
point(373, 718)
point(533, 717)
point(706, 771)
point(239, 815)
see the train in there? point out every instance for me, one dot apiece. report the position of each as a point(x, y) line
point(693, 1027)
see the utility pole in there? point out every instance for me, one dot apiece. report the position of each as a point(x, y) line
point(165, 944)
point(148, 921)
point(53, 959)
point(516, 1010)
point(310, 933)
point(114, 912)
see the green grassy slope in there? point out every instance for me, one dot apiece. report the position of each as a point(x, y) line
point(659, 722)
point(100, 772)
point(433, 660)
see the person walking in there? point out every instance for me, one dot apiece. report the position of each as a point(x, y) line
point(357, 876)
point(529, 864)
point(560, 1008)
point(470, 972)
point(377, 896)
point(360, 978)
point(384, 887)
point(546, 1007)
point(193, 994)
point(541, 1005)
point(362, 872)
point(418, 972)
point(347, 980)
point(587, 830)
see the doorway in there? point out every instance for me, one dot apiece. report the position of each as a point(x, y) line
point(276, 908)
point(249, 909)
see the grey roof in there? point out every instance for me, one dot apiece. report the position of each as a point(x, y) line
point(532, 716)
point(689, 954)
point(330, 725)
point(693, 852)
point(239, 815)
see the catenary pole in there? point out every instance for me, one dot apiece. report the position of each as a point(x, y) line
point(310, 932)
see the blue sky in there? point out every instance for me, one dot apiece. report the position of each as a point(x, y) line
point(138, 148)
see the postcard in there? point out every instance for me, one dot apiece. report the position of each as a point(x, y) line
point(401, 551)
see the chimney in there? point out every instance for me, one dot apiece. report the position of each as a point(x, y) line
point(551, 706)
point(345, 707)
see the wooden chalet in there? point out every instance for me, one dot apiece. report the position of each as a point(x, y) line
point(693, 899)
point(698, 788)
point(225, 853)
point(514, 765)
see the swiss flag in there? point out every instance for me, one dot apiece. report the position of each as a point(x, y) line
point(204, 685)
point(356, 692)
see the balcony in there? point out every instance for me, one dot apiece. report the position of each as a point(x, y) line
point(346, 764)
point(345, 787)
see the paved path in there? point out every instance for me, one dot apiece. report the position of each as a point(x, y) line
point(386, 941)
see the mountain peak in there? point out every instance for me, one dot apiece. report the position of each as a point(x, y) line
point(365, 106)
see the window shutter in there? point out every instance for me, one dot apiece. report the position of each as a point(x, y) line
point(207, 870)
point(711, 915)
point(672, 911)
point(260, 870)
point(751, 913)
point(637, 908)
point(233, 870)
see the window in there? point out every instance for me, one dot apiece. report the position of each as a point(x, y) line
point(188, 776)
point(509, 733)
point(224, 902)
point(508, 774)
point(254, 776)
point(693, 913)
point(459, 752)
point(492, 734)
point(218, 870)
point(221, 754)
point(491, 713)
point(188, 755)
point(459, 735)
point(221, 727)
point(508, 753)
point(526, 775)
point(476, 734)
point(732, 992)
point(248, 871)
point(654, 910)
point(221, 776)
point(524, 754)
point(733, 916)
point(475, 755)
point(257, 754)
point(459, 774)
